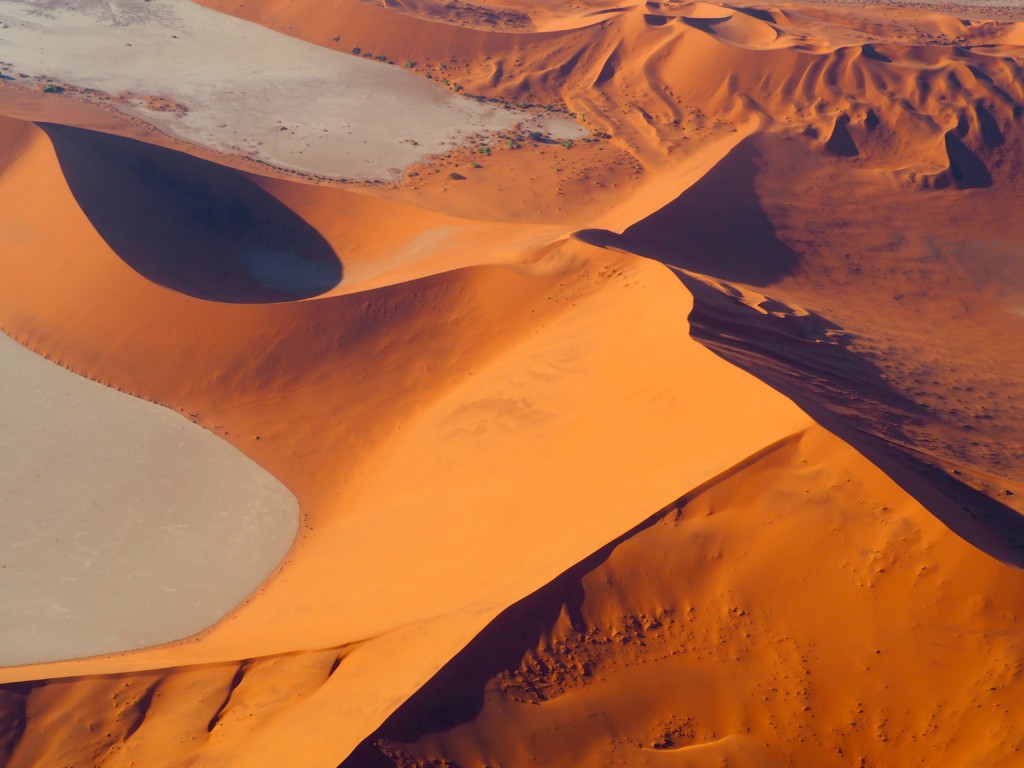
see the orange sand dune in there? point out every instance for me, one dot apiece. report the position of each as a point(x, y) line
point(390, 434)
point(473, 381)
point(801, 610)
point(916, 95)
point(888, 331)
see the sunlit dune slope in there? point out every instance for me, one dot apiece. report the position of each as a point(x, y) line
point(875, 210)
point(802, 610)
point(906, 340)
point(455, 440)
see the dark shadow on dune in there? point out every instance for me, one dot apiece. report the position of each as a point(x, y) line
point(706, 26)
point(455, 695)
point(991, 134)
point(756, 13)
point(716, 227)
point(655, 20)
point(872, 52)
point(808, 361)
point(968, 170)
point(191, 225)
point(841, 142)
point(13, 719)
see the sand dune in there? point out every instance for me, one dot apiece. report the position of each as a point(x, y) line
point(426, 421)
point(879, 639)
point(778, 282)
point(192, 226)
point(900, 93)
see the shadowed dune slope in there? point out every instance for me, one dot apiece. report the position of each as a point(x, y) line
point(190, 225)
point(717, 226)
point(778, 292)
point(394, 413)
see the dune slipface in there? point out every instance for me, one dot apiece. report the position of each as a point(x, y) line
point(125, 525)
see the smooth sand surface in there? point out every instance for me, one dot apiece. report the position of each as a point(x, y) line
point(704, 307)
point(238, 88)
point(124, 524)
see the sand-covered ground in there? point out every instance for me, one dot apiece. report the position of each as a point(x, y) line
point(1004, 10)
point(125, 525)
point(235, 87)
point(693, 440)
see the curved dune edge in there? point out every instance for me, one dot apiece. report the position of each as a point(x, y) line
point(423, 437)
point(674, 640)
point(275, 98)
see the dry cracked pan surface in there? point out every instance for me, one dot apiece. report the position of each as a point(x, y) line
point(695, 440)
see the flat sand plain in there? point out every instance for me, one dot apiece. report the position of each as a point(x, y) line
point(239, 88)
point(124, 524)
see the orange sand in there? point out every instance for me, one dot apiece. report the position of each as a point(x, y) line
point(501, 384)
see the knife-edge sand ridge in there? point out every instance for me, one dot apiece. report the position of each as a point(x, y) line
point(238, 88)
point(148, 528)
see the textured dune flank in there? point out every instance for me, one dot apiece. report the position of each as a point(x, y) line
point(775, 294)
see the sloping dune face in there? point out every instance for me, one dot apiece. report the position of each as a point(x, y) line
point(191, 226)
point(801, 611)
point(515, 371)
point(862, 116)
point(124, 524)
